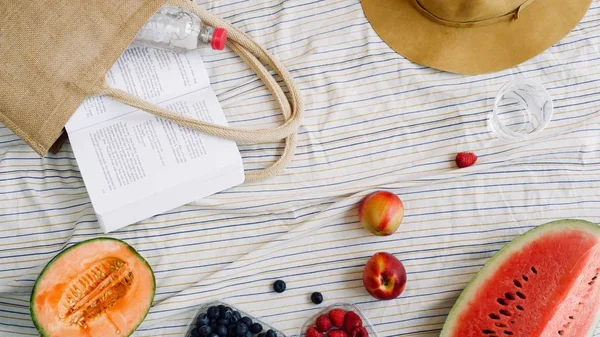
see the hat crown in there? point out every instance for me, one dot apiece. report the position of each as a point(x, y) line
point(470, 10)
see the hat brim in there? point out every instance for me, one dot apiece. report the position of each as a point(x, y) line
point(473, 50)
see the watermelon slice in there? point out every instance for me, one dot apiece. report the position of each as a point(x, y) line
point(544, 283)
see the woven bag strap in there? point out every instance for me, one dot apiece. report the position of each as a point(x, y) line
point(254, 55)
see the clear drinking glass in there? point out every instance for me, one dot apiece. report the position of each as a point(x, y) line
point(522, 108)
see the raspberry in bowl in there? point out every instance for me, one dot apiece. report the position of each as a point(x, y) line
point(339, 320)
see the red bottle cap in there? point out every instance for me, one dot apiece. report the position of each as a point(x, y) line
point(219, 39)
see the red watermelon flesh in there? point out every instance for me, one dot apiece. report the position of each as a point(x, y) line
point(544, 283)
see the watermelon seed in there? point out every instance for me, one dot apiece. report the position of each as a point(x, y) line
point(500, 325)
point(591, 283)
point(525, 278)
point(560, 332)
point(520, 307)
point(494, 316)
point(508, 332)
point(521, 295)
point(509, 296)
point(594, 278)
point(504, 312)
point(571, 317)
point(488, 332)
point(534, 270)
point(501, 301)
point(517, 283)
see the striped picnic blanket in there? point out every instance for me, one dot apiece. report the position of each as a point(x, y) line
point(373, 121)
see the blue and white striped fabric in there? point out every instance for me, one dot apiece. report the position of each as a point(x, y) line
point(373, 121)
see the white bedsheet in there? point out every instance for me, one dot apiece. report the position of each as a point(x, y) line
point(373, 121)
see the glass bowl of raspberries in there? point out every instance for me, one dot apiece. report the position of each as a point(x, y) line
point(339, 320)
point(218, 319)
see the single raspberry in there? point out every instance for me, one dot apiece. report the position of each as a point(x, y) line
point(465, 159)
point(337, 317)
point(352, 321)
point(337, 333)
point(323, 323)
point(359, 332)
point(312, 332)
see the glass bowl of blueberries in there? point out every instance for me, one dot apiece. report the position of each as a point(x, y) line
point(218, 319)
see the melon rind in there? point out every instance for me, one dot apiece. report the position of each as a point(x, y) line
point(503, 254)
point(82, 243)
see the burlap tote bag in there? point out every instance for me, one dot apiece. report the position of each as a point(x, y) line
point(55, 53)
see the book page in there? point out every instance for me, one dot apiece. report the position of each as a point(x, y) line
point(136, 165)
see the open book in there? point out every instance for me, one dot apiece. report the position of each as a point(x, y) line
point(136, 165)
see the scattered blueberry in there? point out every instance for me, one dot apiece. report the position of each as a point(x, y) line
point(214, 334)
point(279, 286)
point(212, 312)
point(195, 333)
point(246, 320)
point(204, 330)
point(256, 328)
point(234, 319)
point(202, 320)
point(221, 330)
point(316, 297)
point(262, 334)
point(241, 330)
point(237, 315)
point(271, 333)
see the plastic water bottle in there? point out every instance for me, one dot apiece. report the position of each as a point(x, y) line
point(175, 29)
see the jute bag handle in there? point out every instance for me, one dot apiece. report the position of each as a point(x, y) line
point(254, 55)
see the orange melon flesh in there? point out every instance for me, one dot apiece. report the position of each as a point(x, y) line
point(106, 272)
point(544, 283)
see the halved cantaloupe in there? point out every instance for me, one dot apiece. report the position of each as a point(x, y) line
point(97, 288)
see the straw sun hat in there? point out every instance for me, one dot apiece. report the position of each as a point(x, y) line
point(472, 36)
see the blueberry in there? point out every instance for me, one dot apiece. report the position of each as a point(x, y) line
point(221, 307)
point(202, 320)
point(214, 334)
point(223, 321)
point(232, 330)
point(316, 297)
point(234, 319)
point(246, 320)
point(194, 333)
point(271, 333)
point(204, 330)
point(262, 334)
point(237, 314)
point(249, 334)
point(255, 328)
point(279, 286)
point(241, 330)
point(226, 313)
point(212, 312)
point(221, 330)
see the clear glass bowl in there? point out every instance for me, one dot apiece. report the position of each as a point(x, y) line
point(522, 108)
point(346, 306)
point(204, 308)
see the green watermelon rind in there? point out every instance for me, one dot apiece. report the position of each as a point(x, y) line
point(502, 255)
point(82, 243)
